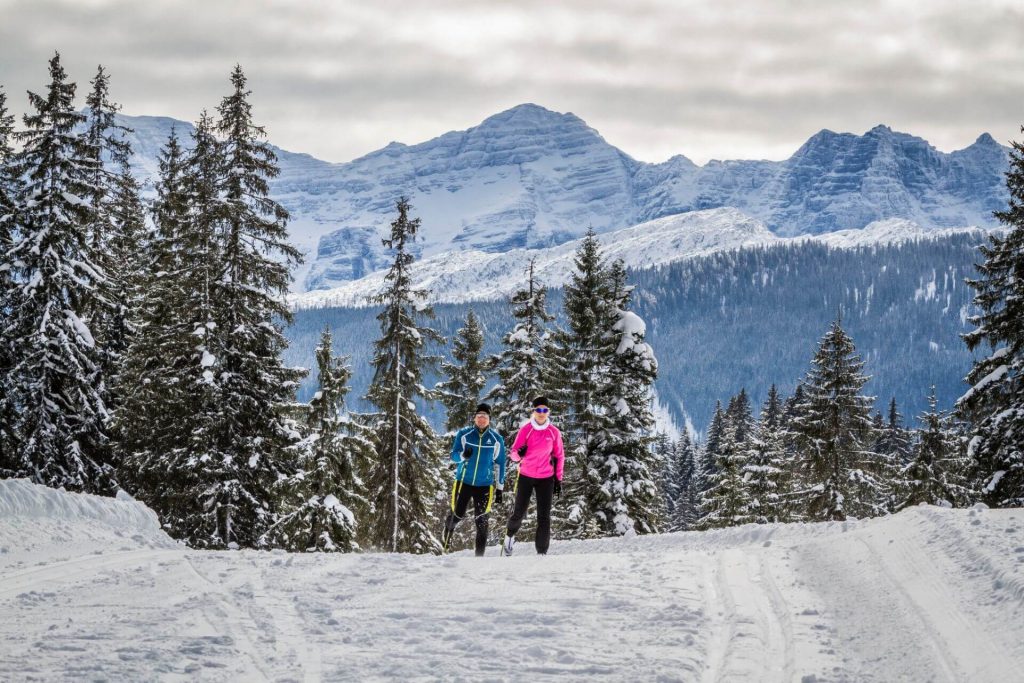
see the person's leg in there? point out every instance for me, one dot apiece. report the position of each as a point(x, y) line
point(481, 497)
point(455, 516)
point(545, 490)
point(524, 487)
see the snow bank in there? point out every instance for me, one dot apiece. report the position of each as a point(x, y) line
point(35, 518)
point(22, 498)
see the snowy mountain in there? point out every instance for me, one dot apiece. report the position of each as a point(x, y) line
point(472, 275)
point(91, 588)
point(531, 178)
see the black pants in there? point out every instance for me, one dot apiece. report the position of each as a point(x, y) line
point(545, 488)
point(481, 495)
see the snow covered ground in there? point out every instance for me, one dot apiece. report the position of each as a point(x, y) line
point(91, 589)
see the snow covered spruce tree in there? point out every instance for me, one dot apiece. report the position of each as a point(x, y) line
point(708, 454)
point(684, 513)
point(838, 474)
point(994, 405)
point(11, 464)
point(54, 278)
point(727, 502)
point(894, 439)
point(127, 248)
point(668, 486)
point(522, 366)
point(110, 153)
point(465, 379)
point(247, 437)
point(741, 417)
point(935, 474)
point(604, 382)
point(767, 467)
point(579, 387)
point(160, 382)
point(322, 506)
point(626, 500)
point(57, 374)
point(218, 351)
point(405, 474)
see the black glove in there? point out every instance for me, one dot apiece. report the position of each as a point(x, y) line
point(558, 488)
point(468, 453)
point(497, 495)
point(521, 451)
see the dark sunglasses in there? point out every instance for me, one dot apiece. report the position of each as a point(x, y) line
point(540, 410)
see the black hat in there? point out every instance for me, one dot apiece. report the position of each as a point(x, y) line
point(541, 401)
point(484, 408)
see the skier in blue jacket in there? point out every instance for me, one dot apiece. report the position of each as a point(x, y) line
point(476, 449)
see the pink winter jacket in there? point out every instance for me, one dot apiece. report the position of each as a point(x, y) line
point(542, 444)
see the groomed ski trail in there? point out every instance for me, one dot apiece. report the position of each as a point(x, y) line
point(928, 594)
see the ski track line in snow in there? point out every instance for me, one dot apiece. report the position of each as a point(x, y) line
point(780, 608)
point(957, 639)
point(233, 624)
point(940, 651)
point(290, 642)
point(78, 569)
point(751, 640)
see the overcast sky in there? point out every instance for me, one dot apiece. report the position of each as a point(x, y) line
point(718, 79)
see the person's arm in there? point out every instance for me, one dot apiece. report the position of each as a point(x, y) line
point(458, 445)
point(501, 461)
point(518, 443)
point(559, 457)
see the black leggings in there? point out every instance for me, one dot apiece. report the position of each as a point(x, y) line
point(545, 489)
point(480, 495)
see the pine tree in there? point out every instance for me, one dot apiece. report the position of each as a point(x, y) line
point(935, 475)
point(580, 386)
point(57, 375)
point(707, 467)
point(108, 149)
point(791, 408)
point(127, 249)
point(727, 501)
point(739, 414)
point(191, 504)
point(217, 350)
point(766, 470)
point(460, 392)
point(323, 505)
point(668, 486)
point(522, 367)
point(247, 435)
point(406, 472)
point(169, 422)
point(894, 440)
point(773, 411)
point(834, 434)
point(626, 500)
point(160, 380)
point(685, 514)
point(994, 405)
point(11, 464)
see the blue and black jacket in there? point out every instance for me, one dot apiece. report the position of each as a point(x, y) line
point(488, 451)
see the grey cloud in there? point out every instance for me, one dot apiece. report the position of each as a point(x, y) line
point(657, 77)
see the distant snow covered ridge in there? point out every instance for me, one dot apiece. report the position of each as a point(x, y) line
point(530, 178)
point(470, 275)
point(889, 231)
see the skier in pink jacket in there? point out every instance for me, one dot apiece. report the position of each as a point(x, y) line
point(541, 457)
